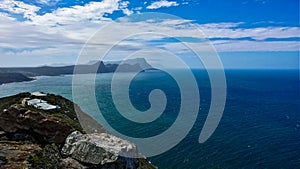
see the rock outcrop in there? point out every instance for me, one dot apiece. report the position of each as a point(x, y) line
point(101, 149)
point(34, 139)
point(70, 163)
point(14, 155)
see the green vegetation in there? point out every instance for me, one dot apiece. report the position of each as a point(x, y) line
point(64, 118)
point(6, 102)
point(66, 106)
point(66, 113)
point(48, 158)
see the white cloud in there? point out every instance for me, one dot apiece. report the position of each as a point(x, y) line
point(61, 34)
point(79, 22)
point(66, 27)
point(6, 16)
point(232, 30)
point(127, 11)
point(18, 7)
point(162, 3)
point(92, 12)
point(48, 2)
point(240, 46)
point(123, 7)
point(20, 36)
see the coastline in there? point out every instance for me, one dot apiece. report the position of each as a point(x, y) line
point(40, 138)
point(6, 78)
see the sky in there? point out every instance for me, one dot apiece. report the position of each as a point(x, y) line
point(254, 34)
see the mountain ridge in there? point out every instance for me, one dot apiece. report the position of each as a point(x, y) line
point(20, 74)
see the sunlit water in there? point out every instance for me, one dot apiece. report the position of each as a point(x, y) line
point(260, 127)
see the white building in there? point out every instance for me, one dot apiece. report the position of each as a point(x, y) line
point(40, 94)
point(40, 104)
point(45, 106)
point(33, 102)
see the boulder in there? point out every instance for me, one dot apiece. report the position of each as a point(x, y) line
point(101, 149)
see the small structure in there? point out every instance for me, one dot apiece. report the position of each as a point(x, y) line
point(34, 102)
point(39, 104)
point(45, 106)
point(39, 94)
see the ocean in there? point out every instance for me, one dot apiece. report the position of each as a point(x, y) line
point(260, 126)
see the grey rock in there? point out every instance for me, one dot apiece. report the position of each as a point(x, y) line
point(101, 149)
point(70, 163)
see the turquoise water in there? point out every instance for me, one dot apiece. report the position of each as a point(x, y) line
point(260, 127)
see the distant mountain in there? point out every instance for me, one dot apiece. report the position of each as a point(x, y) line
point(138, 61)
point(141, 62)
point(59, 64)
point(13, 77)
point(17, 74)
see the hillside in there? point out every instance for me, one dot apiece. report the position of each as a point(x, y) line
point(31, 137)
point(13, 77)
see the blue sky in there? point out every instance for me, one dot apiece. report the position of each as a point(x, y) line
point(245, 33)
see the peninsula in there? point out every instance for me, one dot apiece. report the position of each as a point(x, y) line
point(20, 74)
point(39, 130)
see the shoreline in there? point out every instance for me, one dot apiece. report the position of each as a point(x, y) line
point(36, 144)
point(8, 78)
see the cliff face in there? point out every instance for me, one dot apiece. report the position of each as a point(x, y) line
point(34, 138)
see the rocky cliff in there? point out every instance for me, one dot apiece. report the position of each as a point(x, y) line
point(35, 138)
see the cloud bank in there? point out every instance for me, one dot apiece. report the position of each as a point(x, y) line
point(60, 34)
point(162, 3)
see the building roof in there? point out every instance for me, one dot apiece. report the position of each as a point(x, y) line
point(46, 106)
point(35, 101)
point(38, 94)
point(41, 104)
